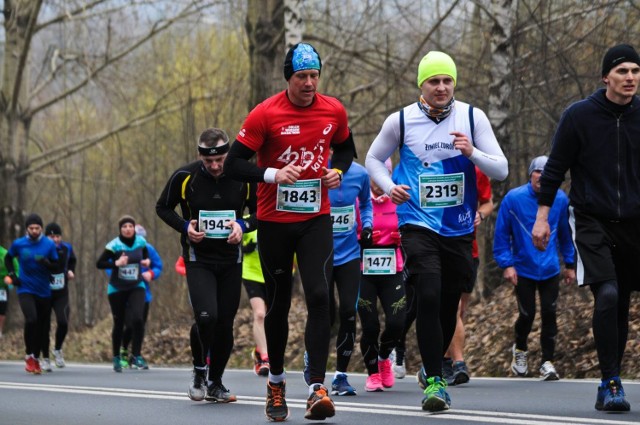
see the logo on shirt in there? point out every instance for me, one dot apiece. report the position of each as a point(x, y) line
point(290, 129)
point(327, 129)
point(242, 132)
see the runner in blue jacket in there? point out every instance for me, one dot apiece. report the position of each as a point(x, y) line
point(529, 269)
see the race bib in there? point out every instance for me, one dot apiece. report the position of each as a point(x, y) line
point(57, 281)
point(3, 295)
point(301, 197)
point(213, 223)
point(342, 218)
point(441, 191)
point(379, 261)
point(129, 272)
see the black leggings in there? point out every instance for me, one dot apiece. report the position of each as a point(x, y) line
point(436, 318)
point(60, 306)
point(214, 290)
point(312, 242)
point(119, 301)
point(410, 317)
point(390, 290)
point(37, 321)
point(526, 295)
point(127, 334)
point(346, 277)
point(610, 325)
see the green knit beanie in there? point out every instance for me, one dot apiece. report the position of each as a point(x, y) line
point(436, 63)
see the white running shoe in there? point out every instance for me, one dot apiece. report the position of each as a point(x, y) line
point(58, 358)
point(548, 372)
point(399, 370)
point(519, 364)
point(45, 365)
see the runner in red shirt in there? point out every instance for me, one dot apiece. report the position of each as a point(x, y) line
point(292, 133)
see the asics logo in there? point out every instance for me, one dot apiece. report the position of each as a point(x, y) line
point(327, 129)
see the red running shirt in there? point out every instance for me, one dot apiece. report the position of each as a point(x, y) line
point(282, 133)
point(484, 195)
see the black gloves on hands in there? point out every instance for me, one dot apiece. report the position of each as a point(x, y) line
point(366, 237)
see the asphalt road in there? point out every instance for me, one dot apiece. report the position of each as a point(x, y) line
point(94, 394)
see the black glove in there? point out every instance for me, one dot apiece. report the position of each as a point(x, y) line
point(249, 247)
point(366, 237)
point(15, 280)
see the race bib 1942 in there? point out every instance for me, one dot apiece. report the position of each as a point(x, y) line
point(301, 197)
point(441, 191)
point(214, 223)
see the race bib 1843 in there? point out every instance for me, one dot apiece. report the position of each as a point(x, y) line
point(214, 223)
point(441, 191)
point(301, 197)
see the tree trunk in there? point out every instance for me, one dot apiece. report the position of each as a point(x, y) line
point(265, 30)
point(499, 113)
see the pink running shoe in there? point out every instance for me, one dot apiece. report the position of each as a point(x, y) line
point(373, 384)
point(386, 373)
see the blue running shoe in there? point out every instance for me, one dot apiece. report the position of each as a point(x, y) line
point(460, 373)
point(447, 371)
point(421, 377)
point(436, 397)
point(340, 386)
point(611, 397)
point(306, 374)
point(117, 366)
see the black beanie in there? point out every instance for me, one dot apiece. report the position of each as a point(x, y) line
point(301, 56)
point(617, 55)
point(53, 229)
point(33, 219)
point(126, 219)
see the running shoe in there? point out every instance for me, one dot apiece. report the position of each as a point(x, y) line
point(399, 370)
point(260, 367)
point(611, 397)
point(519, 364)
point(436, 397)
point(319, 404)
point(460, 373)
point(198, 386)
point(548, 372)
point(306, 374)
point(341, 386)
point(32, 365)
point(58, 358)
point(131, 362)
point(421, 377)
point(276, 408)
point(218, 393)
point(386, 373)
point(373, 383)
point(45, 365)
point(447, 370)
point(139, 363)
point(117, 365)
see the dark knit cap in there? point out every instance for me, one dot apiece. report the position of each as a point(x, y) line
point(33, 219)
point(617, 55)
point(301, 56)
point(126, 219)
point(53, 229)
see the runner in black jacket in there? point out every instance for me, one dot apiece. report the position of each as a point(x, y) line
point(211, 228)
point(598, 139)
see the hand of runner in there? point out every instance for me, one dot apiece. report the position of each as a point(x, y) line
point(289, 174)
point(194, 235)
point(235, 237)
point(399, 194)
point(331, 178)
point(462, 143)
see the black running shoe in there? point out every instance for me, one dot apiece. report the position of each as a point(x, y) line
point(276, 408)
point(218, 393)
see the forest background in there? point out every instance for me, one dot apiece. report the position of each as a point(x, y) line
point(100, 100)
